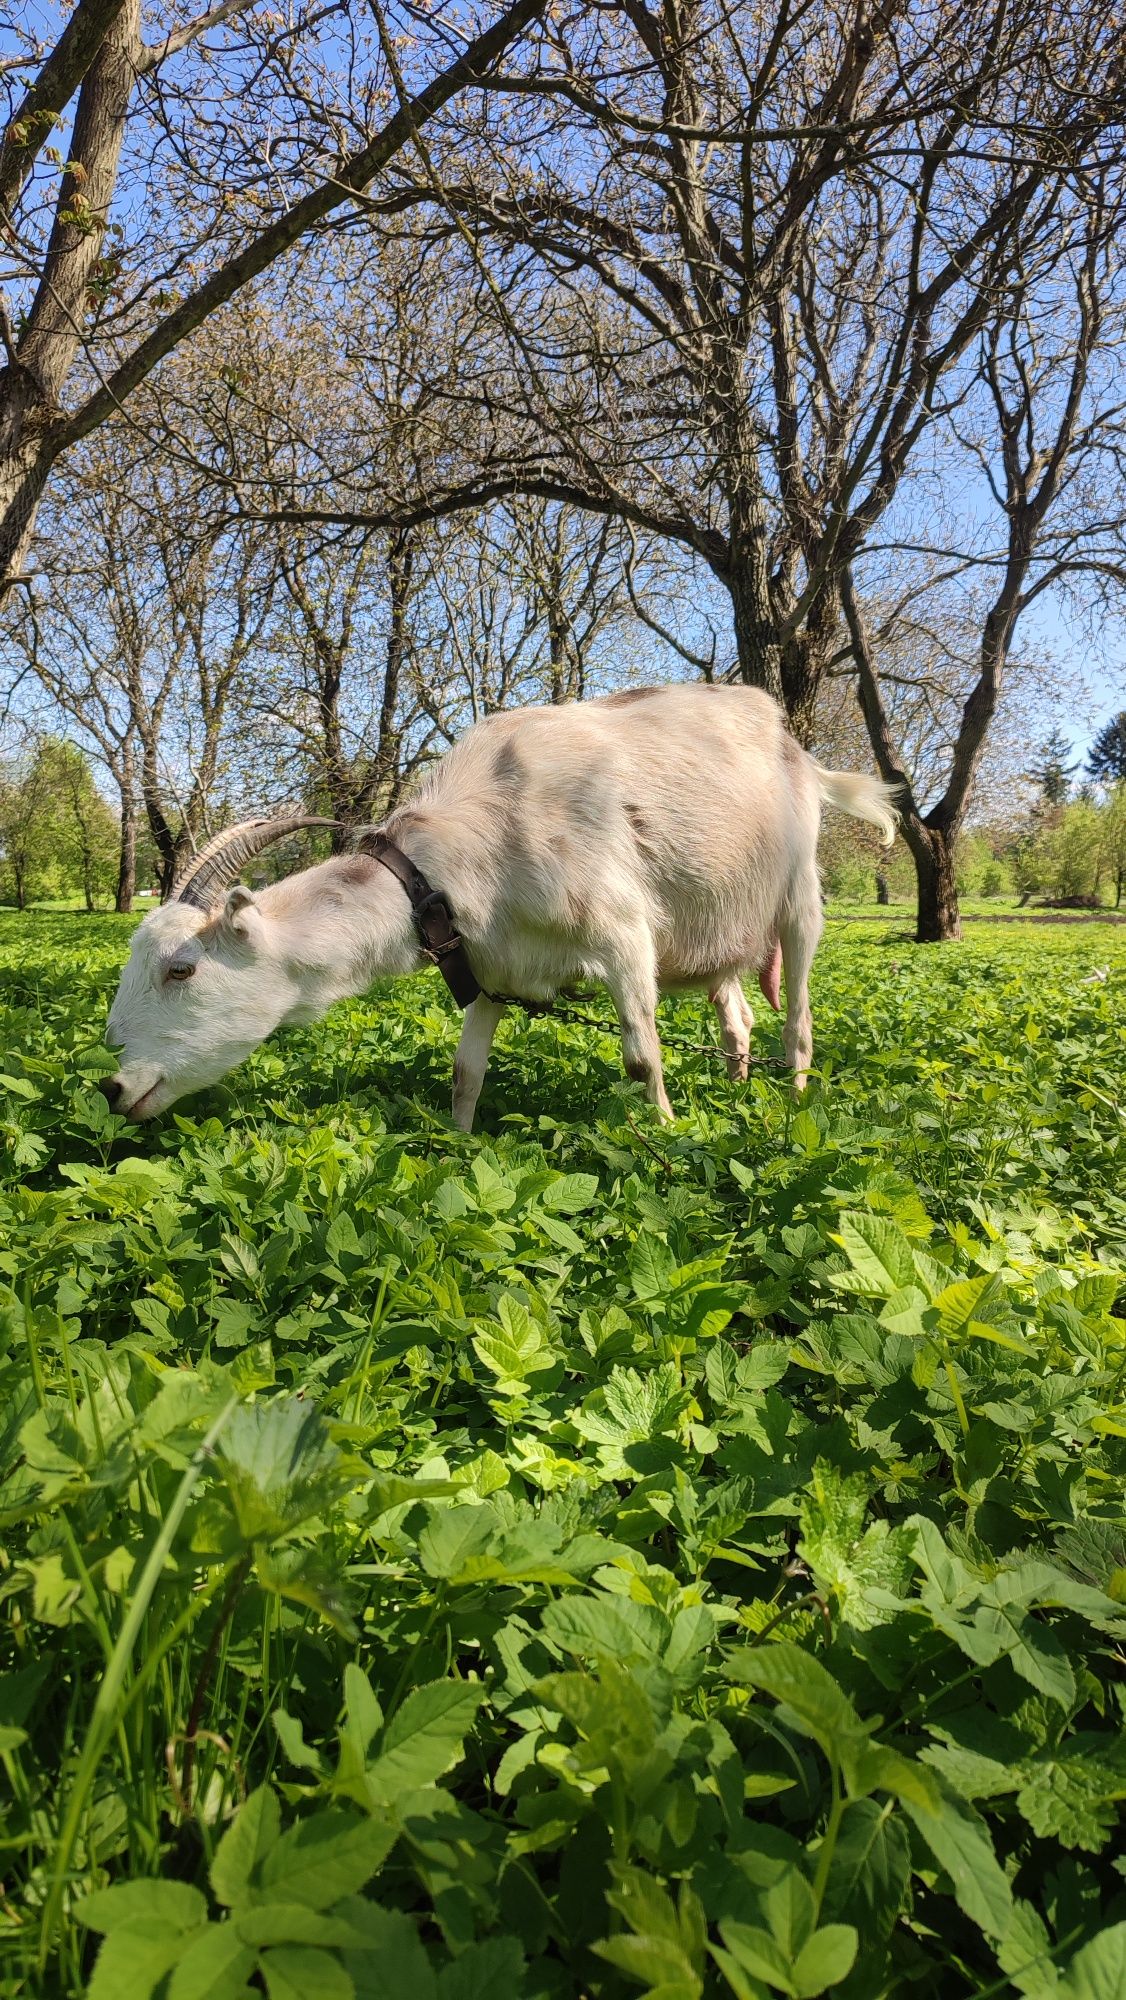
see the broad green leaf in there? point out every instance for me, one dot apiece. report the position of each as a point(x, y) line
point(134, 1962)
point(646, 1905)
point(250, 1837)
point(1033, 1648)
point(291, 1737)
point(658, 1963)
point(483, 1972)
point(516, 1350)
point(756, 1951)
point(818, 1705)
point(959, 1304)
point(452, 1536)
point(363, 1714)
point(147, 1906)
point(594, 1625)
point(1098, 1970)
point(651, 1268)
point(569, 1194)
point(961, 1845)
point(825, 1960)
point(280, 1466)
point(870, 1870)
point(319, 1860)
point(1026, 1954)
point(612, 1713)
point(873, 1767)
point(635, 1407)
point(850, 1561)
point(391, 1960)
point(720, 1372)
point(878, 1252)
point(790, 1911)
point(1073, 1798)
point(215, 1966)
point(422, 1739)
point(289, 1922)
point(765, 1365)
point(298, 1972)
point(944, 1570)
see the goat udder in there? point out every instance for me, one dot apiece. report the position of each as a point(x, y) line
point(770, 977)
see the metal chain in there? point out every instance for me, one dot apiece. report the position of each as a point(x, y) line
point(561, 1011)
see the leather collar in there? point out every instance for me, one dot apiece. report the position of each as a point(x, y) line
point(435, 924)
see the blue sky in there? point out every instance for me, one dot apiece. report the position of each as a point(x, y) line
point(1092, 664)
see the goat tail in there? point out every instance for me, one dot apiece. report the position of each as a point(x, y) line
point(863, 797)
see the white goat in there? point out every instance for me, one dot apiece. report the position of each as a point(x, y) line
point(661, 837)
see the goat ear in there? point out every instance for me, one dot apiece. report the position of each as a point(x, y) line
point(239, 910)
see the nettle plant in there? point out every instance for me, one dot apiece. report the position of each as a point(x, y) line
point(601, 1560)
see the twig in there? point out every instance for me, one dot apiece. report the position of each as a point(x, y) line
point(635, 1127)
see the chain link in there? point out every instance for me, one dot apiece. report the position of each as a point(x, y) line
point(562, 1011)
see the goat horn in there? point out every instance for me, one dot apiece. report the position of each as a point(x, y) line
point(212, 871)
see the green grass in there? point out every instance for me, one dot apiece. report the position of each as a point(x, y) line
point(998, 909)
point(589, 1558)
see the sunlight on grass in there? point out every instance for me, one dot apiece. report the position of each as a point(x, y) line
point(585, 1558)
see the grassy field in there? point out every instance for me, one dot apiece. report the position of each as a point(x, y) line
point(587, 1559)
point(992, 909)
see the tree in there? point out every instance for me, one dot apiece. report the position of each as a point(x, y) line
point(57, 833)
point(98, 306)
point(534, 602)
point(1114, 839)
point(725, 266)
point(1041, 420)
point(339, 691)
point(1052, 775)
point(142, 628)
point(1107, 758)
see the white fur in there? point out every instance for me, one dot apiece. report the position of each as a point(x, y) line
point(666, 837)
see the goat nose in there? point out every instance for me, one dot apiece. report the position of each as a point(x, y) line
point(110, 1087)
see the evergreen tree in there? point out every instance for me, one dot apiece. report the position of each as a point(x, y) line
point(1107, 759)
point(1053, 773)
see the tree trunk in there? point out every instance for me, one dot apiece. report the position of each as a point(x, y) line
point(23, 475)
point(756, 635)
point(31, 427)
point(792, 672)
point(382, 780)
point(400, 576)
point(127, 860)
point(932, 848)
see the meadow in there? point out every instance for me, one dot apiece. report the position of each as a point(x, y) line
point(589, 1558)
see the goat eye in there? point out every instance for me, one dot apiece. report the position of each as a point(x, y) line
point(180, 972)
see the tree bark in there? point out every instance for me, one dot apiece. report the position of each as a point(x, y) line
point(31, 386)
point(757, 649)
point(381, 777)
point(400, 573)
point(932, 839)
point(932, 847)
point(127, 858)
point(804, 659)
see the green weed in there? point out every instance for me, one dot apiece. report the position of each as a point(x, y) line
point(590, 1558)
